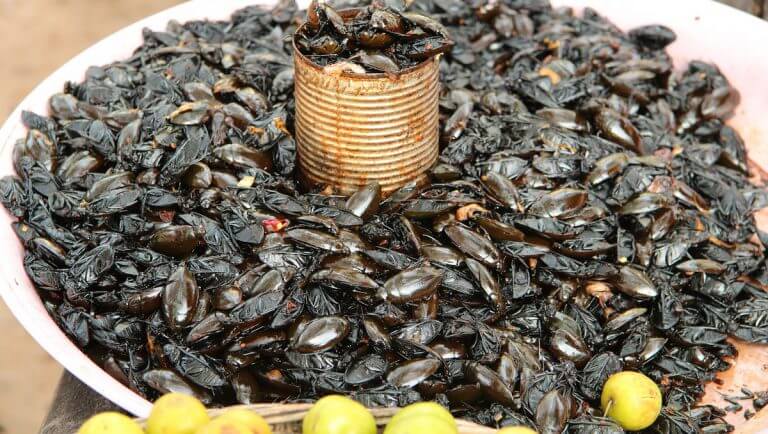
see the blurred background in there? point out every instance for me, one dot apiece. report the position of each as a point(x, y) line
point(37, 36)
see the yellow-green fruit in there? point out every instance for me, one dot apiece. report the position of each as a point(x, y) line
point(336, 414)
point(223, 426)
point(631, 399)
point(516, 430)
point(424, 409)
point(329, 401)
point(176, 413)
point(253, 421)
point(420, 424)
point(110, 423)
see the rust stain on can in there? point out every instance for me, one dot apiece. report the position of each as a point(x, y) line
point(353, 129)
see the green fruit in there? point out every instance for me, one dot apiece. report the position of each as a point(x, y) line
point(255, 423)
point(516, 430)
point(336, 414)
point(223, 426)
point(110, 423)
point(176, 413)
point(424, 409)
point(631, 399)
point(420, 424)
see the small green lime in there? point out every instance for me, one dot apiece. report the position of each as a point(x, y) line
point(426, 409)
point(335, 414)
point(224, 426)
point(110, 423)
point(176, 413)
point(253, 421)
point(421, 424)
point(631, 399)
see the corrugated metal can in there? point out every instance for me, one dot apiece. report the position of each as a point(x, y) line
point(353, 129)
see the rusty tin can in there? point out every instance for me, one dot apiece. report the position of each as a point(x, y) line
point(353, 129)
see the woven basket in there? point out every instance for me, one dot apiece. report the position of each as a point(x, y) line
point(286, 418)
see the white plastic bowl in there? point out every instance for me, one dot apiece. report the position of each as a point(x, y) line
point(706, 30)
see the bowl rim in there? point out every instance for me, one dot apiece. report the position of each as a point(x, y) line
point(15, 287)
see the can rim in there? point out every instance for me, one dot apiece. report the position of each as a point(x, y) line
point(373, 75)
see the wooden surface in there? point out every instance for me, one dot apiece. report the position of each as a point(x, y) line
point(755, 7)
